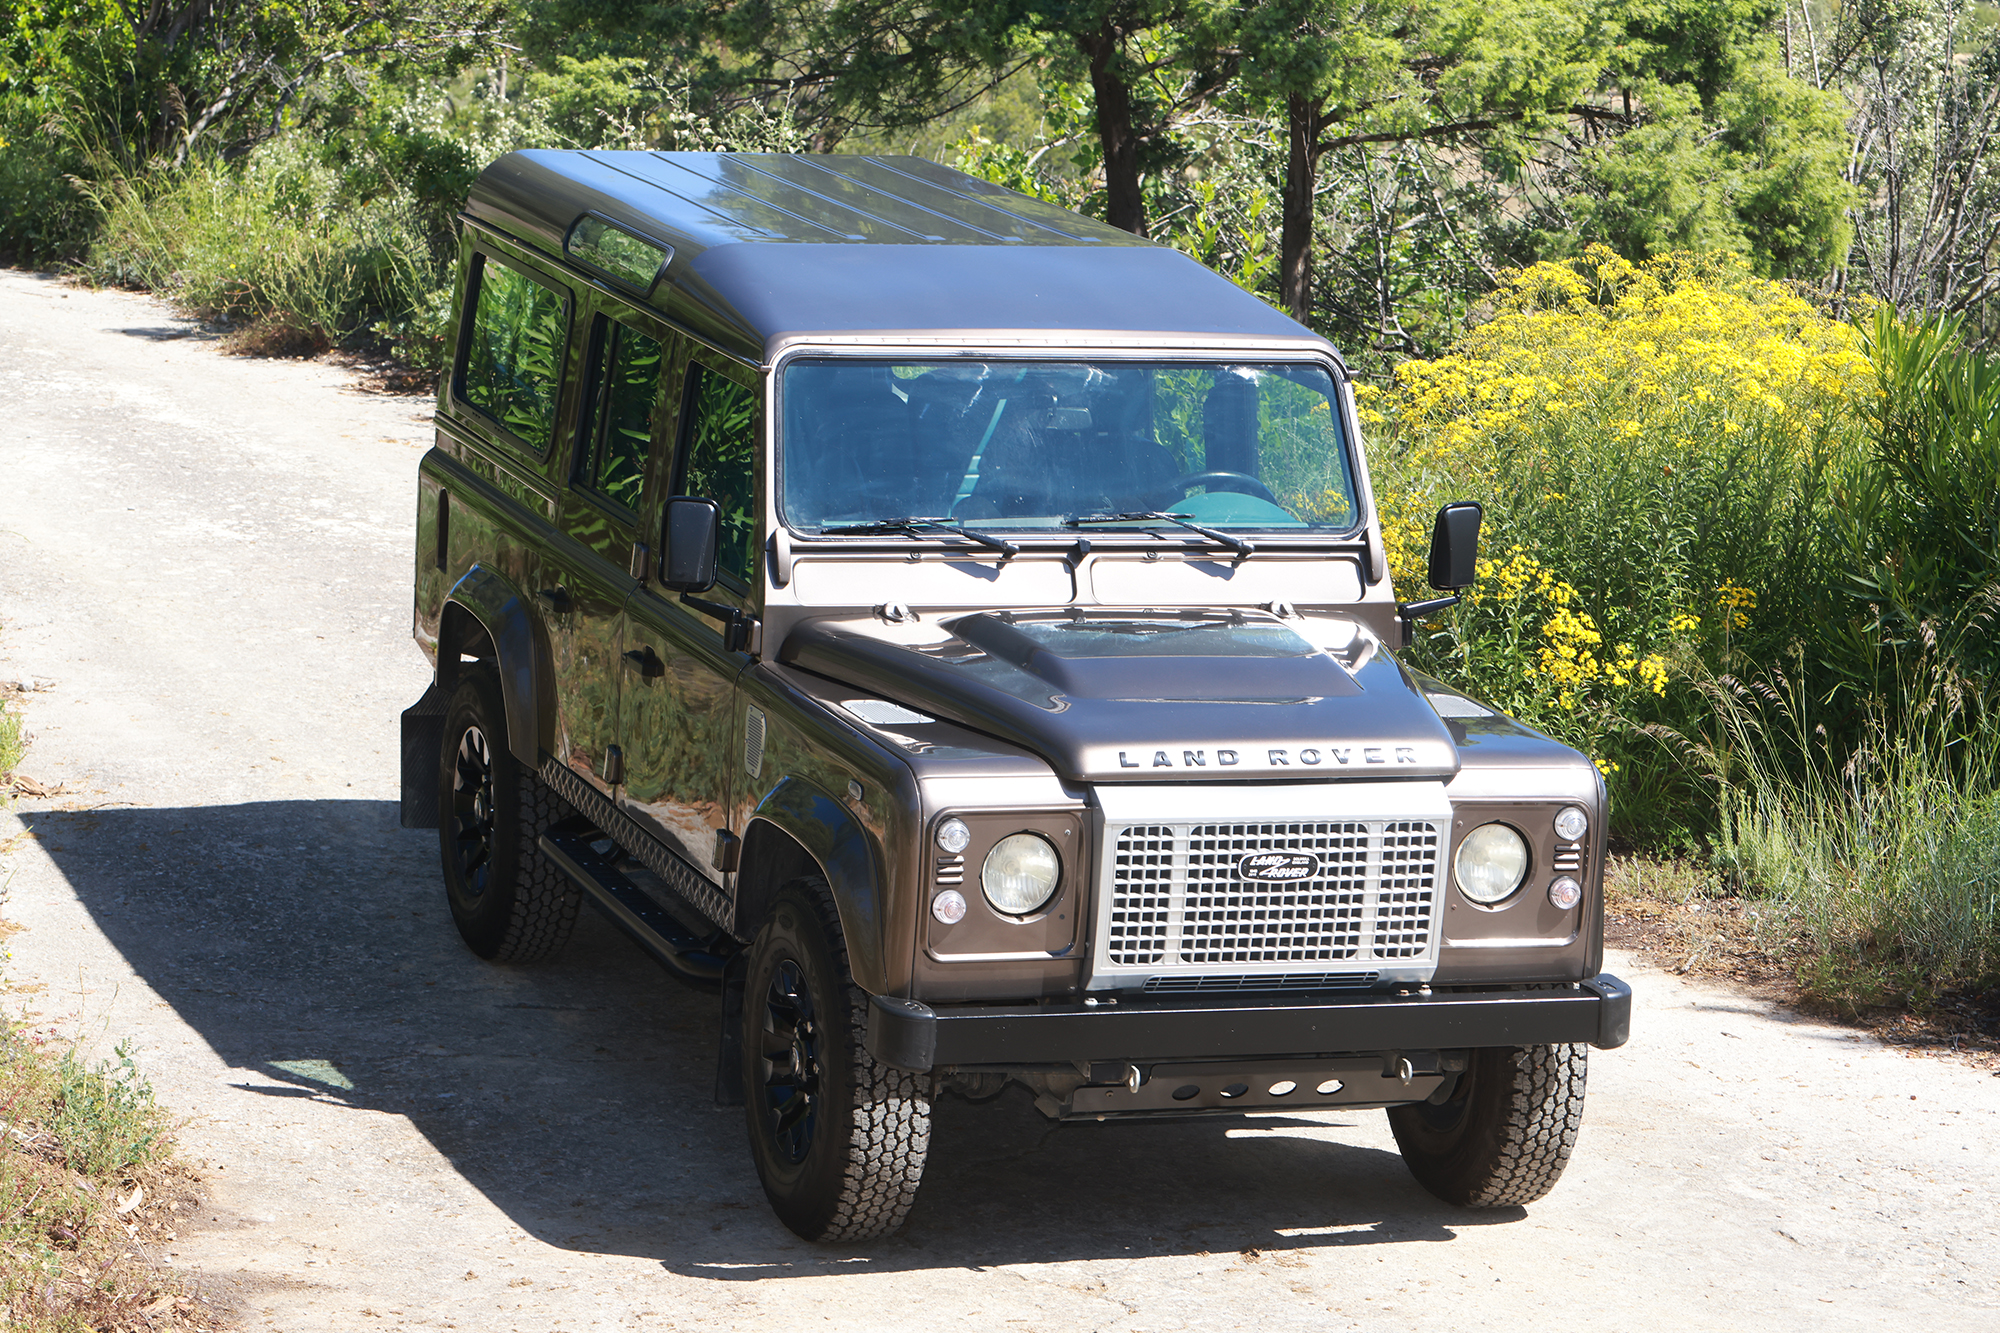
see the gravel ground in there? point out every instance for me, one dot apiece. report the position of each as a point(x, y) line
point(204, 567)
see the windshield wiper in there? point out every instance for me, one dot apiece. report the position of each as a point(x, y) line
point(918, 527)
point(1234, 543)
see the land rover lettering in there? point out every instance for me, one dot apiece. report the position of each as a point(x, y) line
point(1277, 867)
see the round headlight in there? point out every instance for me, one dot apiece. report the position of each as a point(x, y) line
point(1491, 863)
point(954, 836)
point(1571, 823)
point(1020, 874)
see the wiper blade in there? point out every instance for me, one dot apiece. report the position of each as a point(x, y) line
point(1233, 542)
point(917, 527)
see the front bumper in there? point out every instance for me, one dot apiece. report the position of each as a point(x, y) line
point(912, 1035)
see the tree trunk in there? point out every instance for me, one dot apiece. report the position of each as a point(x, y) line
point(1124, 207)
point(1295, 243)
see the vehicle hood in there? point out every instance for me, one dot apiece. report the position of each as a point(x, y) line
point(1114, 696)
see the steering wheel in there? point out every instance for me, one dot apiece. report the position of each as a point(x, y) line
point(1240, 482)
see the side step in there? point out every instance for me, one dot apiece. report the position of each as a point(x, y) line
point(698, 962)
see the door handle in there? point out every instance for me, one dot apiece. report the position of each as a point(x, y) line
point(646, 662)
point(556, 599)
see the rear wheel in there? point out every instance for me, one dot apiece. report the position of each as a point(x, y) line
point(510, 903)
point(1505, 1134)
point(839, 1139)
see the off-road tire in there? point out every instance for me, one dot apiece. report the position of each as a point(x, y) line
point(853, 1173)
point(510, 903)
point(1506, 1133)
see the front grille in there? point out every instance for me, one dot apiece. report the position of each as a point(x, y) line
point(1363, 891)
point(1568, 858)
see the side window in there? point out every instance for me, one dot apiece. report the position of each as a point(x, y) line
point(514, 351)
point(625, 391)
point(719, 461)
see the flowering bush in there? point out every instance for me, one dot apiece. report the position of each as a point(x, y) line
point(1652, 443)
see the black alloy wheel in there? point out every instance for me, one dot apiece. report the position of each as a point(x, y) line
point(791, 1063)
point(472, 812)
point(509, 901)
point(838, 1138)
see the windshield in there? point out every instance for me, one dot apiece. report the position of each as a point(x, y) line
point(1044, 444)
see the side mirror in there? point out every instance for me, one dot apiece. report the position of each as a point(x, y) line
point(694, 525)
point(1455, 546)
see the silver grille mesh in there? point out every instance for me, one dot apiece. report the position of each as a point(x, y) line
point(1178, 902)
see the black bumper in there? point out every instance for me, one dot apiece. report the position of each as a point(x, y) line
point(912, 1035)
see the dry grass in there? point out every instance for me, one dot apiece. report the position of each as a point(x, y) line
point(90, 1191)
point(1675, 914)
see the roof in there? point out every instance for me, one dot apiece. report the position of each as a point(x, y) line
point(769, 247)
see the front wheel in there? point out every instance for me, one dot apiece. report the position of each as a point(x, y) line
point(839, 1139)
point(1506, 1132)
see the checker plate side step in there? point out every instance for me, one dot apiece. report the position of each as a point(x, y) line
point(613, 882)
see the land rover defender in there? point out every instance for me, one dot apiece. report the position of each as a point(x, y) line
point(960, 632)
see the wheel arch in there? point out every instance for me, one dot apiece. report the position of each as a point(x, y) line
point(486, 617)
point(798, 829)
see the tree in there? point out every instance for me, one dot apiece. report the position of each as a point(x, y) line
point(151, 77)
point(1467, 72)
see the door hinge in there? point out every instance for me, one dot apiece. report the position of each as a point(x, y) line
point(614, 765)
point(642, 561)
point(728, 851)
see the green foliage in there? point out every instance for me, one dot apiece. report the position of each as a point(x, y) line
point(1653, 444)
point(103, 1114)
point(1756, 165)
point(260, 244)
point(1883, 862)
point(44, 218)
point(1919, 510)
point(164, 79)
point(80, 1138)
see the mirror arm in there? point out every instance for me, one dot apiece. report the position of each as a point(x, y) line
point(1411, 612)
point(736, 625)
point(1418, 610)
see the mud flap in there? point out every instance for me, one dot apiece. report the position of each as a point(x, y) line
point(423, 738)
point(729, 1052)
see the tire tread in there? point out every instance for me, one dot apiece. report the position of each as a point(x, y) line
point(891, 1129)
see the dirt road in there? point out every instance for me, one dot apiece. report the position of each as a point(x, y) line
point(209, 558)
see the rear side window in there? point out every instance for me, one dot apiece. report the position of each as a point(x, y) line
point(720, 464)
point(626, 391)
point(514, 352)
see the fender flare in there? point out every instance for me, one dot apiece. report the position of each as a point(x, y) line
point(832, 837)
point(521, 649)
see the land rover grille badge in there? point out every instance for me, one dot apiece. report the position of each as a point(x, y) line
point(1277, 867)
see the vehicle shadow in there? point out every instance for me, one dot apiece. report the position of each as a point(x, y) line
point(308, 944)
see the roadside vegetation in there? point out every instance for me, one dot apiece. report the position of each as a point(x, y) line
point(89, 1192)
point(1697, 298)
point(90, 1187)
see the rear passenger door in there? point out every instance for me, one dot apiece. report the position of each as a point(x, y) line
point(677, 714)
point(589, 571)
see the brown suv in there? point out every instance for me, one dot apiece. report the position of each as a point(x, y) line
point(960, 631)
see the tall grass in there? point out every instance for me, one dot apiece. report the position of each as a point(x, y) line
point(268, 246)
point(1884, 862)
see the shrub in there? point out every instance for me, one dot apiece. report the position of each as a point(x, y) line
point(1884, 864)
point(269, 245)
point(44, 218)
point(1653, 443)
